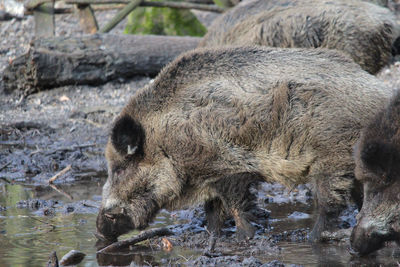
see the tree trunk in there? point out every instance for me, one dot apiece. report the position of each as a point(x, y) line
point(92, 59)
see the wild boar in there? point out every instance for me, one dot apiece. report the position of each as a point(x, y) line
point(364, 31)
point(216, 121)
point(377, 159)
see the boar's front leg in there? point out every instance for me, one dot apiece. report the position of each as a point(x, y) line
point(234, 198)
point(335, 194)
point(215, 216)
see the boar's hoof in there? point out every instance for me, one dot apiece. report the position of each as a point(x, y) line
point(244, 229)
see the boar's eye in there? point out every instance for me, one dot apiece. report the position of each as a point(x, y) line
point(127, 136)
point(381, 158)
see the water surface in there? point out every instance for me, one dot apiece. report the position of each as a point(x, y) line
point(64, 220)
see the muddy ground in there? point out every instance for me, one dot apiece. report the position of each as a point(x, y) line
point(46, 132)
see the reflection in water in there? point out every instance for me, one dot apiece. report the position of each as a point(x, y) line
point(141, 256)
point(27, 237)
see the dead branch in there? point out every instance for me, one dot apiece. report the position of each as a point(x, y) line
point(74, 147)
point(183, 5)
point(63, 148)
point(67, 10)
point(120, 15)
point(90, 206)
point(171, 4)
point(11, 143)
point(144, 235)
point(61, 191)
point(48, 224)
point(5, 165)
point(62, 172)
point(5, 180)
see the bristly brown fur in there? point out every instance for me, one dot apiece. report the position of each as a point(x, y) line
point(377, 157)
point(236, 115)
point(364, 31)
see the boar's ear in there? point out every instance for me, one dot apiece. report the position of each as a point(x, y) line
point(380, 157)
point(127, 136)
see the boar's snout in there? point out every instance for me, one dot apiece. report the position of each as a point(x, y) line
point(365, 240)
point(112, 223)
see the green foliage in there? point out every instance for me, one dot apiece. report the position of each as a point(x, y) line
point(163, 21)
point(223, 3)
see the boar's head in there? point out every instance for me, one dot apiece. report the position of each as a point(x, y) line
point(377, 157)
point(140, 180)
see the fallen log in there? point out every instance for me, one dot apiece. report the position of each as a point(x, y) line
point(91, 59)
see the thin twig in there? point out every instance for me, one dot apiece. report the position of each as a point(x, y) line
point(5, 165)
point(38, 150)
point(66, 10)
point(94, 123)
point(90, 206)
point(62, 172)
point(120, 16)
point(186, 259)
point(117, 246)
point(35, 152)
point(171, 4)
point(74, 147)
point(61, 191)
point(5, 180)
point(11, 143)
point(69, 148)
point(180, 5)
point(49, 224)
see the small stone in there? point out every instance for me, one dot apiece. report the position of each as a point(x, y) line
point(72, 258)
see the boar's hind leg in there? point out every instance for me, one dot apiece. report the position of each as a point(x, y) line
point(335, 194)
point(238, 201)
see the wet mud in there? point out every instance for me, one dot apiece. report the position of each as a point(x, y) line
point(44, 133)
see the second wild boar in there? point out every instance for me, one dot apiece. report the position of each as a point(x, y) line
point(377, 157)
point(364, 31)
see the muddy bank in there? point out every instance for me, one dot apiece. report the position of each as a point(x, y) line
point(53, 129)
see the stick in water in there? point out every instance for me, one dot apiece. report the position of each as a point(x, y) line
point(63, 171)
point(116, 246)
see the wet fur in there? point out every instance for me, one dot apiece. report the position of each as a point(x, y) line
point(241, 114)
point(364, 31)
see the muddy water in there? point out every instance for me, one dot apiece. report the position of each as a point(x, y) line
point(37, 219)
point(29, 231)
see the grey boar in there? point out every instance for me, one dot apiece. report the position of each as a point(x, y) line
point(377, 157)
point(215, 122)
point(364, 31)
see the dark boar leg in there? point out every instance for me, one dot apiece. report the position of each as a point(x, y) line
point(215, 216)
point(238, 201)
point(244, 229)
point(334, 194)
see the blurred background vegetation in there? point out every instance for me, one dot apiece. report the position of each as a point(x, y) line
point(164, 21)
point(181, 22)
